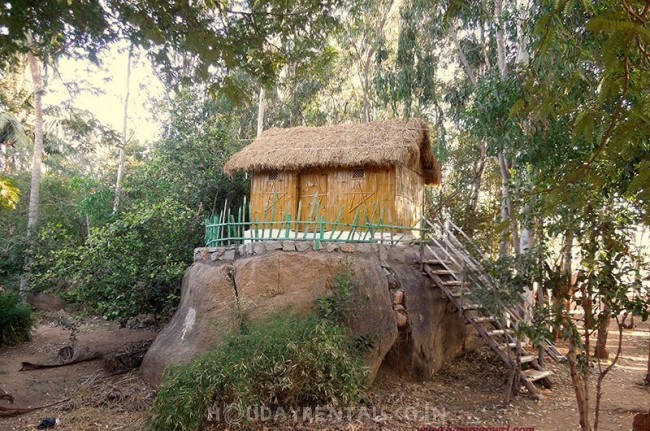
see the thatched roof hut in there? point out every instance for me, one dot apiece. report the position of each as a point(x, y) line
point(345, 168)
point(377, 144)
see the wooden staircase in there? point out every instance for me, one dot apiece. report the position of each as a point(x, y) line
point(448, 259)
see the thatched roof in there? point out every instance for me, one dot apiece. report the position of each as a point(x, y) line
point(376, 144)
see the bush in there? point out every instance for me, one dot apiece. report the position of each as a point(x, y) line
point(16, 320)
point(132, 265)
point(284, 362)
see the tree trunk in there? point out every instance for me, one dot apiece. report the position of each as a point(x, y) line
point(501, 41)
point(577, 384)
point(35, 67)
point(507, 209)
point(506, 202)
point(587, 305)
point(366, 88)
point(260, 113)
point(600, 350)
point(480, 165)
point(461, 55)
point(647, 375)
point(478, 179)
point(525, 245)
point(34, 193)
point(120, 166)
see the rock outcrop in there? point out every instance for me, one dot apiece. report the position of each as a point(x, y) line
point(207, 311)
point(394, 310)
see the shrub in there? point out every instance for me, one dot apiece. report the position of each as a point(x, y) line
point(338, 307)
point(132, 265)
point(16, 320)
point(284, 362)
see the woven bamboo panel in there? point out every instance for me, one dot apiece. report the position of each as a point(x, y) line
point(364, 191)
point(273, 195)
point(394, 195)
point(409, 194)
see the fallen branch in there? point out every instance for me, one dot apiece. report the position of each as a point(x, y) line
point(7, 412)
point(67, 355)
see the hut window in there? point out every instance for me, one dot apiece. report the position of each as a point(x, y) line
point(273, 175)
point(358, 173)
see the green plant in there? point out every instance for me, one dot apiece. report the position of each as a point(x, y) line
point(283, 362)
point(16, 320)
point(132, 265)
point(337, 306)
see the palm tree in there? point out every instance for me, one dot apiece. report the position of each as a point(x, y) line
point(12, 136)
point(12, 133)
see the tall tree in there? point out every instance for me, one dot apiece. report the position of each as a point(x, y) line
point(35, 66)
point(125, 117)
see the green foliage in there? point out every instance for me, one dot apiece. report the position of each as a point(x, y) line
point(16, 320)
point(284, 362)
point(129, 266)
point(217, 39)
point(9, 195)
point(186, 165)
point(338, 306)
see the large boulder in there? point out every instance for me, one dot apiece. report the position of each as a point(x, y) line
point(208, 311)
point(371, 320)
point(283, 282)
point(293, 282)
point(393, 308)
point(436, 332)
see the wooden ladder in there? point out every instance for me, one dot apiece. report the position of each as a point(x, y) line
point(455, 270)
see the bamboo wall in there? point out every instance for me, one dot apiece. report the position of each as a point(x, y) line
point(395, 195)
point(271, 198)
point(350, 194)
point(313, 194)
point(409, 194)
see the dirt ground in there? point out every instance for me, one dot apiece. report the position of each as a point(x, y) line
point(467, 392)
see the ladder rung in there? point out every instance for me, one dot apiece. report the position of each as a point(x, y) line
point(500, 332)
point(508, 346)
point(484, 319)
point(469, 307)
point(451, 283)
point(535, 375)
point(436, 262)
point(528, 358)
point(458, 294)
point(442, 272)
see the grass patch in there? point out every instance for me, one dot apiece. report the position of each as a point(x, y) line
point(16, 320)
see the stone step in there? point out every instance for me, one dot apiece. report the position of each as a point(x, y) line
point(535, 375)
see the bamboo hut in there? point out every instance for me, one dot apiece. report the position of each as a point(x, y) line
point(366, 172)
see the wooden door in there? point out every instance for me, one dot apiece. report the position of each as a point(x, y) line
point(312, 192)
point(361, 194)
point(273, 195)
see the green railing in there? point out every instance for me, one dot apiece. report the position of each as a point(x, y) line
point(233, 228)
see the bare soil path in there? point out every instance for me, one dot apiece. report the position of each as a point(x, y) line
point(467, 392)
